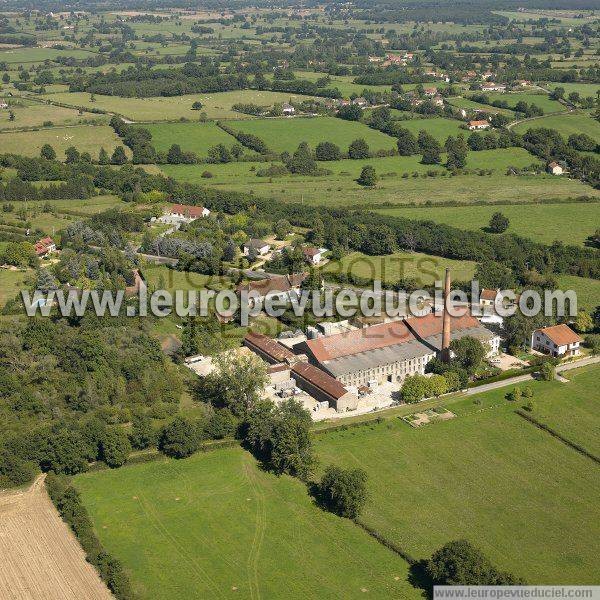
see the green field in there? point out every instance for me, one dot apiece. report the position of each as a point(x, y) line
point(161, 277)
point(542, 100)
point(85, 138)
point(439, 128)
point(565, 124)
point(402, 265)
point(11, 282)
point(587, 290)
point(340, 188)
point(585, 89)
point(470, 105)
point(283, 135)
point(35, 114)
point(192, 137)
point(216, 526)
point(569, 223)
point(528, 501)
point(216, 106)
point(32, 55)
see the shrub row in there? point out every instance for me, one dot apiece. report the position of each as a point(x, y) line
point(72, 511)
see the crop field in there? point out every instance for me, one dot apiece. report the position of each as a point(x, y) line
point(40, 556)
point(588, 290)
point(488, 476)
point(565, 124)
point(285, 134)
point(85, 138)
point(439, 128)
point(542, 100)
point(569, 223)
point(401, 265)
point(192, 137)
point(35, 114)
point(215, 525)
point(216, 106)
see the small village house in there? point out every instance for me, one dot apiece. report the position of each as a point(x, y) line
point(360, 102)
point(288, 110)
point(493, 87)
point(555, 169)
point(185, 213)
point(488, 298)
point(559, 341)
point(44, 247)
point(256, 246)
point(312, 255)
point(479, 124)
point(276, 288)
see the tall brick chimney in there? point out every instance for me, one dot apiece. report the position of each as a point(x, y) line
point(446, 321)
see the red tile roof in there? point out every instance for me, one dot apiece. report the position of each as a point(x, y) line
point(431, 324)
point(477, 123)
point(269, 346)
point(487, 294)
point(186, 209)
point(561, 335)
point(311, 251)
point(360, 340)
point(326, 383)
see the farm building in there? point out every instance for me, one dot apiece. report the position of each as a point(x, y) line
point(312, 255)
point(493, 87)
point(559, 341)
point(185, 213)
point(482, 124)
point(288, 110)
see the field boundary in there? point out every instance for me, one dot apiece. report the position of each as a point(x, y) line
point(561, 438)
point(389, 544)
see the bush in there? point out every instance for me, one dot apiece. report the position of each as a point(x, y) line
point(344, 491)
point(180, 438)
point(115, 447)
point(206, 175)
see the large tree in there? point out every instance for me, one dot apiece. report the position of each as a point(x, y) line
point(344, 491)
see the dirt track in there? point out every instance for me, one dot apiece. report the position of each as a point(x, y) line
point(39, 556)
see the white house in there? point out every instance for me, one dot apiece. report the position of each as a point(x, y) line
point(3, 105)
point(555, 169)
point(360, 102)
point(184, 213)
point(493, 87)
point(276, 287)
point(259, 247)
point(558, 340)
point(312, 255)
point(488, 298)
point(288, 110)
point(474, 125)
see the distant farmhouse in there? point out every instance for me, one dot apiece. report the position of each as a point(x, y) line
point(259, 247)
point(481, 124)
point(555, 168)
point(184, 213)
point(278, 287)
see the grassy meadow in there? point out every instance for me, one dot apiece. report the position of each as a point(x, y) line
point(488, 476)
point(438, 127)
point(569, 223)
point(216, 106)
point(401, 265)
point(542, 100)
point(35, 114)
point(11, 283)
point(285, 134)
point(216, 526)
point(587, 290)
point(85, 138)
point(565, 124)
point(192, 137)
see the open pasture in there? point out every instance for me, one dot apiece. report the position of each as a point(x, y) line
point(192, 137)
point(488, 476)
point(401, 265)
point(35, 114)
point(588, 290)
point(566, 124)
point(569, 223)
point(285, 134)
point(215, 525)
point(438, 127)
point(216, 106)
point(85, 138)
point(542, 100)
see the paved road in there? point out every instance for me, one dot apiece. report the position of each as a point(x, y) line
point(591, 360)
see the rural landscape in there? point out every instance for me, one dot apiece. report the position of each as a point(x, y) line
point(185, 185)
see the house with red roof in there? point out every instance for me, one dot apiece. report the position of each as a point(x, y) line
point(187, 213)
point(559, 341)
point(44, 247)
point(476, 125)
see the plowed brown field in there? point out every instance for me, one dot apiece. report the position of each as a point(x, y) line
point(40, 557)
